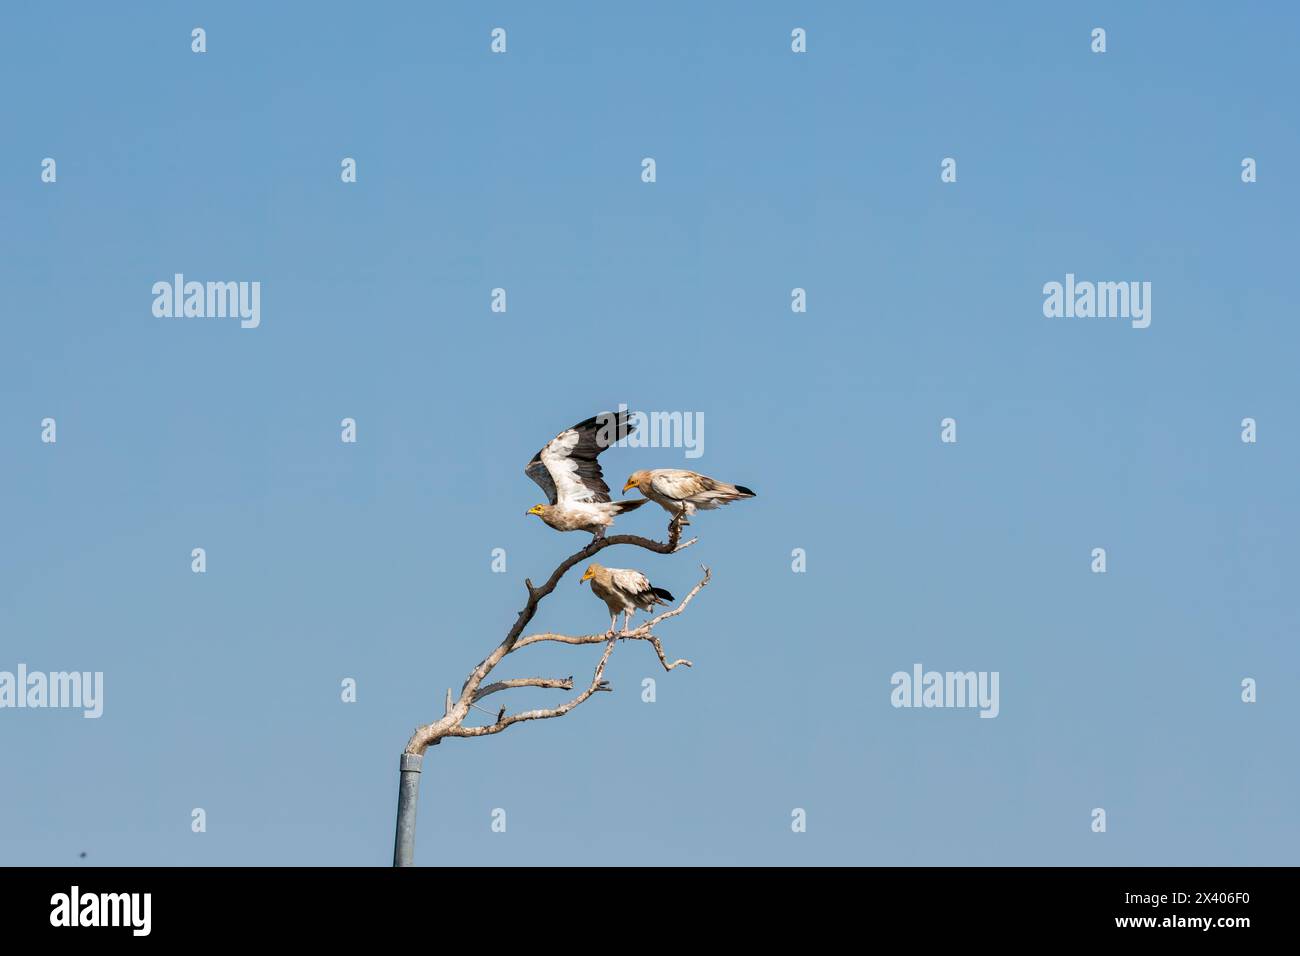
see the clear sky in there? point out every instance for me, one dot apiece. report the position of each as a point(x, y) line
point(775, 170)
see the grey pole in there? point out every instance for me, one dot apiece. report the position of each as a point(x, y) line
point(408, 801)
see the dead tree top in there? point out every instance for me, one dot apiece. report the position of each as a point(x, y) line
point(457, 710)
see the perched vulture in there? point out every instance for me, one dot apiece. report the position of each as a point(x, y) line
point(680, 492)
point(567, 470)
point(623, 589)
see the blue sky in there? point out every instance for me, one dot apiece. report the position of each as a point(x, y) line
point(774, 171)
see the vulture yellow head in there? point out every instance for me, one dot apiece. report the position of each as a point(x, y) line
point(590, 572)
point(536, 510)
point(634, 480)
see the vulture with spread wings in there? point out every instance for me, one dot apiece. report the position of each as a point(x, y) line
point(567, 470)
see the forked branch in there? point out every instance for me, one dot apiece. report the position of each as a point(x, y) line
point(457, 710)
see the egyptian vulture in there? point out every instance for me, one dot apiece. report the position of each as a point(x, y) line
point(623, 589)
point(567, 470)
point(681, 492)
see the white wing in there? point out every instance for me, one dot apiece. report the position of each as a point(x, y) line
point(678, 484)
point(629, 581)
point(564, 471)
point(567, 470)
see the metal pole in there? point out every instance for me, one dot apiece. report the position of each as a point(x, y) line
point(408, 800)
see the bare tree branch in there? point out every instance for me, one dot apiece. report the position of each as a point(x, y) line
point(659, 649)
point(503, 722)
point(640, 633)
point(561, 683)
point(452, 722)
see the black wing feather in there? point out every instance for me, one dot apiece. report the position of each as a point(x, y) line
point(595, 434)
